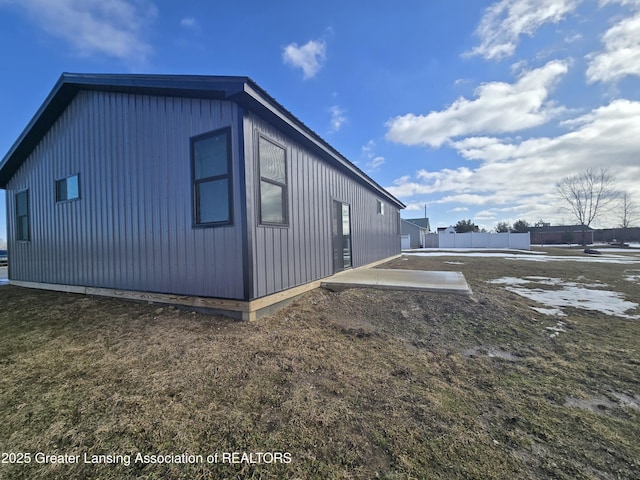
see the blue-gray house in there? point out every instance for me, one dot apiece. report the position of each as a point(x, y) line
point(196, 190)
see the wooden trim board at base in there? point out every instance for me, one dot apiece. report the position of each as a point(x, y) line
point(244, 310)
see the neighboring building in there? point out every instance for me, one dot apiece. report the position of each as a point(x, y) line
point(631, 234)
point(421, 222)
point(560, 234)
point(195, 190)
point(450, 229)
point(417, 229)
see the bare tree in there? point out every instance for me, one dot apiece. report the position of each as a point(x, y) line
point(586, 194)
point(628, 213)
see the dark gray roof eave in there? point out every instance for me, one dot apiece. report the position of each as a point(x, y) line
point(70, 83)
point(412, 223)
point(240, 89)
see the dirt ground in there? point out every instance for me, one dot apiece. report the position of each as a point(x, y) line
point(354, 384)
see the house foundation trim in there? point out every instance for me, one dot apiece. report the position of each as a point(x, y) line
point(239, 309)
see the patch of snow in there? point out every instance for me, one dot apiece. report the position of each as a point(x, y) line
point(545, 281)
point(510, 281)
point(557, 330)
point(454, 263)
point(632, 276)
point(532, 256)
point(614, 259)
point(556, 312)
point(469, 253)
point(485, 250)
point(618, 250)
point(542, 281)
point(571, 294)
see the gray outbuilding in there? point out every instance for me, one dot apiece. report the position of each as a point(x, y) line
point(417, 229)
point(196, 190)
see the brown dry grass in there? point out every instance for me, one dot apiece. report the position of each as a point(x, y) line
point(356, 384)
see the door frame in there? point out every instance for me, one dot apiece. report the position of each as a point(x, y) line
point(341, 243)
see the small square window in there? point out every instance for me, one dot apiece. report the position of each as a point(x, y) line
point(67, 189)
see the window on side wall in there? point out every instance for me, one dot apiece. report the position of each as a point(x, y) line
point(211, 170)
point(380, 207)
point(22, 216)
point(68, 189)
point(273, 183)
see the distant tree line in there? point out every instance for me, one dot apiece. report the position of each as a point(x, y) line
point(521, 226)
point(464, 226)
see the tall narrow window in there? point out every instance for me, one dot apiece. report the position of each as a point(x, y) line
point(22, 216)
point(273, 183)
point(211, 166)
point(380, 207)
point(67, 189)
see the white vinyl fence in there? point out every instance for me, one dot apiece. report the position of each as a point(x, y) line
point(520, 241)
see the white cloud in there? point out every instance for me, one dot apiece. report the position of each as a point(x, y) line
point(310, 57)
point(485, 216)
point(573, 38)
point(518, 67)
point(431, 182)
point(188, 22)
point(506, 21)
point(374, 162)
point(522, 173)
point(412, 207)
point(621, 2)
point(338, 118)
point(496, 198)
point(498, 108)
point(605, 136)
point(621, 55)
point(369, 148)
point(107, 27)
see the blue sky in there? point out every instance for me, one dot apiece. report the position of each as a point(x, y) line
point(473, 108)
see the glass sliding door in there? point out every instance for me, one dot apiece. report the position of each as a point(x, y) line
point(341, 236)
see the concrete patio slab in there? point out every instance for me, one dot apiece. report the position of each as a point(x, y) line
point(394, 279)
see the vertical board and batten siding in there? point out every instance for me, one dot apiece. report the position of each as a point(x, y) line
point(284, 257)
point(132, 227)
